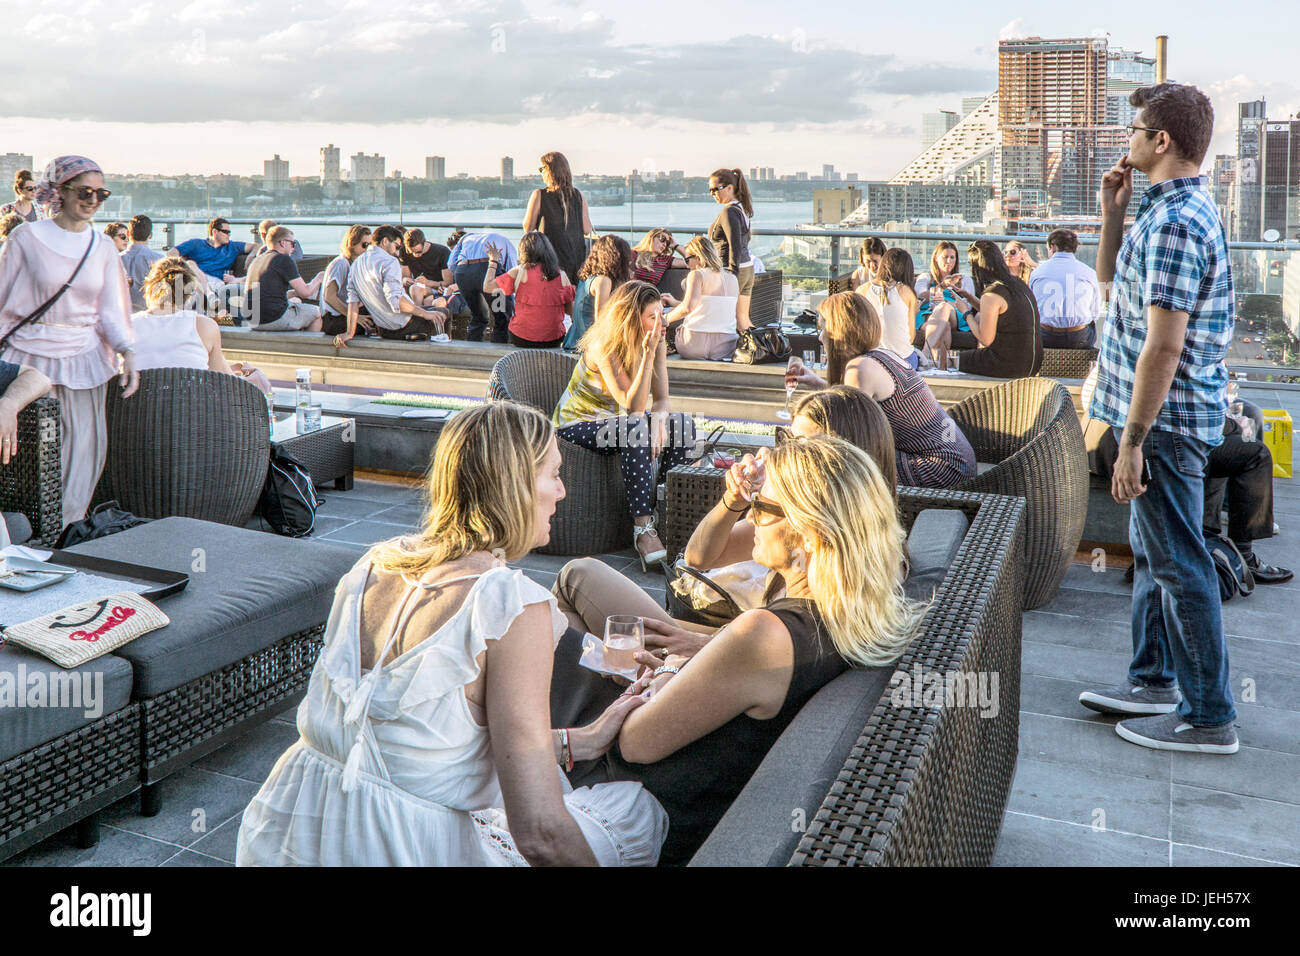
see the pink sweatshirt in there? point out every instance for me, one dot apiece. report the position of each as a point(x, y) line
point(75, 342)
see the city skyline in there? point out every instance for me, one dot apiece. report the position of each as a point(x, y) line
point(613, 92)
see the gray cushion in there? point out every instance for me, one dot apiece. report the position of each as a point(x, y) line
point(18, 527)
point(24, 727)
point(759, 829)
point(932, 544)
point(254, 589)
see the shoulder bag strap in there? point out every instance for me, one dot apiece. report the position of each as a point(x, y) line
point(54, 298)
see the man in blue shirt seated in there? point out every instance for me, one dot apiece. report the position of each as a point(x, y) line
point(214, 258)
point(467, 267)
point(1068, 297)
point(19, 387)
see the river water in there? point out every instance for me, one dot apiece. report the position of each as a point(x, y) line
point(323, 235)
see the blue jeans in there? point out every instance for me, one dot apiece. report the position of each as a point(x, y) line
point(495, 311)
point(1177, 615)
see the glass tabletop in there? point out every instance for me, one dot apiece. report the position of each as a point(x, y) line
point(286, 426)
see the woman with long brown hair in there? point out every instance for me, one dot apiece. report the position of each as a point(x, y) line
point(559, 212)
point(932, 452)
point(730, 233)
point(608, 266)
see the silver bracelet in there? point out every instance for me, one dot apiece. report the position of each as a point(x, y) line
point(666, 669)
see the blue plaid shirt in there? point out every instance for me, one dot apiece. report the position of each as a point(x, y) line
point(1175, 257)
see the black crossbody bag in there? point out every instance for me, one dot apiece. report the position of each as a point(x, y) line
point(54, 298)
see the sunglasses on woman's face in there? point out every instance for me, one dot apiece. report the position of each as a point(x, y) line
point(86, 193)
point(29, 189)
point(770, 511)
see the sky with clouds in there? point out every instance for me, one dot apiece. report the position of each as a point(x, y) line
point(170, 87)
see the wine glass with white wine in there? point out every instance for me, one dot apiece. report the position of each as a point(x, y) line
point(791, 383)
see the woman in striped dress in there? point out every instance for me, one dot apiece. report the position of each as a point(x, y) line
point(931, 450)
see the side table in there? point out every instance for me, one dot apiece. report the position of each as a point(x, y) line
point(326, 453)
point(690, 493)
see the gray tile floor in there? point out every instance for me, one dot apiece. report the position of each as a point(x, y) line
point(1081, 797)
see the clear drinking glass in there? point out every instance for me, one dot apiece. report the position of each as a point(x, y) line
point(624, 636)
point(790, 385)
point(810, 358)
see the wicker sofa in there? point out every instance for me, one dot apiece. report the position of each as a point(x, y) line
point(861, 777)
point(32, 483)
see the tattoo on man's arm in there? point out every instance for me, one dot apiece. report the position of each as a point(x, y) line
point(1136, 435)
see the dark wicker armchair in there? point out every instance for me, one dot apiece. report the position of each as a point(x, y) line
point(1028, 430)
point(593, 517)
point(191, 443)
point(32, 483)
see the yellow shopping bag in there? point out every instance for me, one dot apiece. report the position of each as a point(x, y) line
point(1277, 436)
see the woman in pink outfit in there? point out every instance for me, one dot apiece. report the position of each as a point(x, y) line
point(64, 310)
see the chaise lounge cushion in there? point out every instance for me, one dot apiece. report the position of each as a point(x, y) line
point(936, 535)
point(97, 688)
point(247, 590)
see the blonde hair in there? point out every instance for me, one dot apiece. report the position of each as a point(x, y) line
point(702, 248)
point(832, 492)
point(166, 278)
point(1027, 263)
point(645, 249)
point(617, 330)
point(482, 490)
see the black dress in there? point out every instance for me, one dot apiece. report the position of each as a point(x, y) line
point(698, 783)
point(1017, 347)
point(564, 231)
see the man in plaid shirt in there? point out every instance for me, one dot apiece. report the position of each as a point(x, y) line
point(1161, 386)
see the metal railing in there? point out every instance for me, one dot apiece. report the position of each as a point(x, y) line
point(1267, 275)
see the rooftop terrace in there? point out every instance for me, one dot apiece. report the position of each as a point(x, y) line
point(1082, 796)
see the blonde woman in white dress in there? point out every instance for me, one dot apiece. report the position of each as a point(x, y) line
point(426, 722)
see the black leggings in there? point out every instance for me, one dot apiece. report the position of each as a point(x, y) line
point(629, 435)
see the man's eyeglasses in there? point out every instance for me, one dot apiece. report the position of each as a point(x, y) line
point(770, 511)
point(226, 231)
point(86, 193)
point(1146, 129)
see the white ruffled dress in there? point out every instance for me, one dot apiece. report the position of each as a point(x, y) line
point(392, 770)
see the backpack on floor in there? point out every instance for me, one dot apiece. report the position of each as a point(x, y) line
point(1234, 574)
point(289, 500)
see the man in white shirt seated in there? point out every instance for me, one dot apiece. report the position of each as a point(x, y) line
point(375, 281)
point(1069, 299)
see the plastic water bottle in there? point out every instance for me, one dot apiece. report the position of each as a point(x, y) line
point(302, 398)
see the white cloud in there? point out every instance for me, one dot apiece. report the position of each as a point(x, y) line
point(1013, 30)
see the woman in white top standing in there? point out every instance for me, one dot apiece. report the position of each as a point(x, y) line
point(428, 710)
point(64, 310)
point(707, 311)
point(166, 337)
point(892, 295)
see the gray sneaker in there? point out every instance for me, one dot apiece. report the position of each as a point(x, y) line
point(1131, 699)
point(1171, 732)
